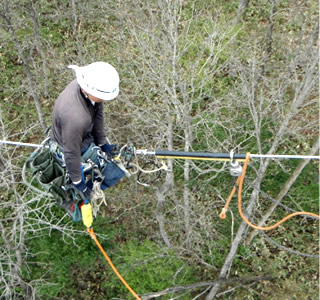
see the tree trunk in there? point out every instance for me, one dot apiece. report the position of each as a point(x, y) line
point(236, 242)
point(243, 4)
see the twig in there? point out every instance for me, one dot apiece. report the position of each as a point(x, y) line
point(243, 280)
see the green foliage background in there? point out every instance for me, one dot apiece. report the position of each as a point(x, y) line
point(62, 269)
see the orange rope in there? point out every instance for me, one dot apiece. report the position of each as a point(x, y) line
point(226, 207)
point(93, 236)
point(240, 184)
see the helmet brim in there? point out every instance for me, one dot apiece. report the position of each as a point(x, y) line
point(103, 95)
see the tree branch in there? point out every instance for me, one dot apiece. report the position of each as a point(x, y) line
point(243, 280)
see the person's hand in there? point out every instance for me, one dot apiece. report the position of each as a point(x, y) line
point(84, 189)
point(111, 149)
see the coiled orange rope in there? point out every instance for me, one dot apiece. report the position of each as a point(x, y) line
point(93, 236)
point(239, 183)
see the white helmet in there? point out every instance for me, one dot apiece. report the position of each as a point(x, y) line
point(98, 79)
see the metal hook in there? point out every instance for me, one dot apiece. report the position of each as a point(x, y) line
point(235, 168)
point(231, 156)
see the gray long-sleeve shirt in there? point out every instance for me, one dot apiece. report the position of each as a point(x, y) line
point(75, 124)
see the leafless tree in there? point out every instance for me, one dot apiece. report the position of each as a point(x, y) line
point(178, 87)
point(302, 79)
point(159, 78)
point(10, 27)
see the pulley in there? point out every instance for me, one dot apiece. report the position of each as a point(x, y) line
point(235, 167)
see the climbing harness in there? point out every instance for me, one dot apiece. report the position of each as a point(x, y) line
point(47, 166)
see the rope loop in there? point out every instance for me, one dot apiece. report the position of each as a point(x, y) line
point(239, 184)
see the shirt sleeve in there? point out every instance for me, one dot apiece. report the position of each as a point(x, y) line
point(98, 127)
point(72, 135)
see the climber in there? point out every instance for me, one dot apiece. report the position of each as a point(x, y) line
point(78, 126)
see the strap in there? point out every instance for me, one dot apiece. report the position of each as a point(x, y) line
point(77, 213)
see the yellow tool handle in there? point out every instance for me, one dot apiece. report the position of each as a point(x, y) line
point(87, 218)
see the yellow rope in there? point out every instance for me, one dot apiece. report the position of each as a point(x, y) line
point(197, 158)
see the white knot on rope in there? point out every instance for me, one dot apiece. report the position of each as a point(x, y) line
point(97, 194)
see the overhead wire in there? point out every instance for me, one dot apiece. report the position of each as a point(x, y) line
point(191, 155)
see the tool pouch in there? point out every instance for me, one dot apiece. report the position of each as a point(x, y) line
point(50, 175)
point(40, 161)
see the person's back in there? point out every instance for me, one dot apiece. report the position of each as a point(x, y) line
point(75, 125)
point(78, 126)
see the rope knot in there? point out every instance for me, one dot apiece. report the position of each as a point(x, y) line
point(223, 213)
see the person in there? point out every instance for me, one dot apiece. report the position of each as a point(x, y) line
point(78, 124)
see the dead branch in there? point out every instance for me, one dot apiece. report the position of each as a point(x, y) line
point(227, 281)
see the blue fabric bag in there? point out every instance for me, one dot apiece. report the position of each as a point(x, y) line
point(111, 172)
point(112, 175)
